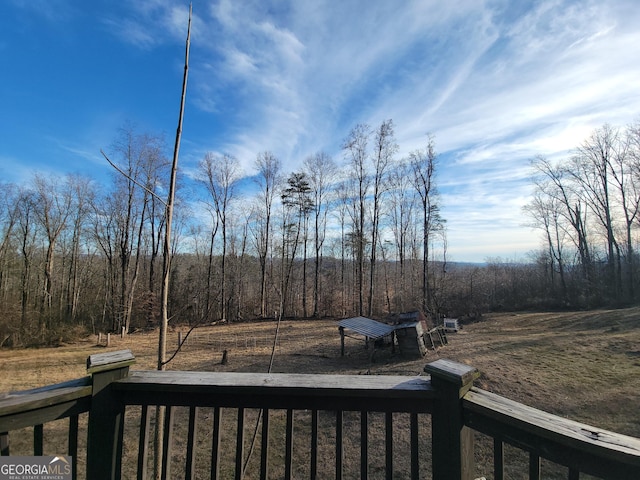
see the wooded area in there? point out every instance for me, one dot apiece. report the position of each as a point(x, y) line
point(364, 239)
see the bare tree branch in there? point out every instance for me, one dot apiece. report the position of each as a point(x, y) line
point(155, 195)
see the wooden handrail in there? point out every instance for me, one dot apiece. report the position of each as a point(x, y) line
point(575, 445)
point(39, 398)
point(34, 408)
point(298, 391)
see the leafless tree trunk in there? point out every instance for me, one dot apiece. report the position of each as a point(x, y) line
point(402, 217)
point(9, 197)
point(166, 263)
point(210, 265)
point(220, 176)
point(628, 192)
point(592, 171)
point(424, 166)
point(27, 231)
point(53, 209)
point(268, 180)
point(555, 183)
point(82, 194)
point(240, 260)
point(385, 148)
point(343, 208)
point(296, 198)
point(356, 150)
point(321, 171)
point(545, 213)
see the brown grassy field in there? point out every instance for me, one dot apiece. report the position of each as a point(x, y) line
point(580, 365)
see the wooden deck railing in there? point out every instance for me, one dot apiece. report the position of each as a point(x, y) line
point(311, 426)
point(579, 447)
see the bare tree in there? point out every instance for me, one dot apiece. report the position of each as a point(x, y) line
point(220, 176)
point(545, 212)
point(623, 172)
point(26, 226)
point(9, 195)
point(556, 183)
point(321, 171)
point(345, 206)
point(355, 148)
point(134, 208)
point(402, 210)
point(591, 170)
point(423, 163)
point(268, 180)
point(82, 193)
point(384, 149)
point(53, 208)
point(238, 250)
point(296, 202)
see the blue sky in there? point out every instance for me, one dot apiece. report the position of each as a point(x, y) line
point(496, 83)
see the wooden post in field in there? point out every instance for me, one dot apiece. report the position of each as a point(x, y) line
point(108, 339)
point(452, 440)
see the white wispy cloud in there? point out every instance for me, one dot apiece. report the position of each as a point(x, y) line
point(496, 82)
point(149, 23)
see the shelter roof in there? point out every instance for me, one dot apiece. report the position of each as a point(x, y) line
point(367, 327)
point(400, 326)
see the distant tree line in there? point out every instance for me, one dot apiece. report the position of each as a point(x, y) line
point(364, 239)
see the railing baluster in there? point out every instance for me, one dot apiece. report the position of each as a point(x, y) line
point(288, 454)
point(38, 439)
point(415, 448)
point(215, 445)
point(364, 445)
point(534, 466)
point(143, 442)
point(498, 459)
point(4, 444)
point(339, 444)
point(167, 443)
point(190, 472)
point(73, 445)
point(314, 444)
point(240, 444)
point(388, 428)
point(264, 454)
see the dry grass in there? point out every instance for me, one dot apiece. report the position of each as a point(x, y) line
point(581, 365)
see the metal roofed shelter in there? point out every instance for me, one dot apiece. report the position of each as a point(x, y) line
point(368, 328)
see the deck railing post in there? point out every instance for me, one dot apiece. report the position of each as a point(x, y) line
point(452, 440)
point(104, 442)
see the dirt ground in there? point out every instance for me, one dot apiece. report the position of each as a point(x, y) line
point(580, 365)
